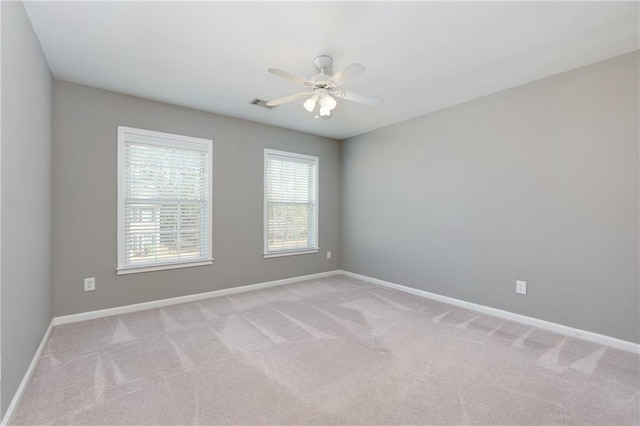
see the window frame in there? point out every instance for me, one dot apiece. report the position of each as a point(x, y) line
point(307, 250)
point(155, 138)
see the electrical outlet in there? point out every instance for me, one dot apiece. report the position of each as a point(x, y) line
point(521, 287)
point(89, 284)
point(328, 255)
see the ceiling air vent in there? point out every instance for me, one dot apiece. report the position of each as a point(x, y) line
point(260, 102)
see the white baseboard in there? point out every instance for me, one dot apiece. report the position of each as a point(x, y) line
point(534, 322)
point(26, 378)
point(67, 319)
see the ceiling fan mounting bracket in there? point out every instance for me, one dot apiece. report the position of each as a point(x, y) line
point(322, 61)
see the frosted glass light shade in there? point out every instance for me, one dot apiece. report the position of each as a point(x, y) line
point(310, 104)
point(328, 102)
point(325, 112)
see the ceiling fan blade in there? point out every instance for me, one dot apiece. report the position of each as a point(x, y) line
point(357, 97)
point(289, 76)
point(348, 73)
point(286, 99)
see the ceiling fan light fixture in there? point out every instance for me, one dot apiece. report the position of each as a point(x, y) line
point(310, 104)
point(328, 102)
point(325, 113)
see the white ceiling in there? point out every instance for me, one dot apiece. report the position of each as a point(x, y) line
point(420, 56)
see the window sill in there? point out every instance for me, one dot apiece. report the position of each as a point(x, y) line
point(290, 253)
point(136, 270)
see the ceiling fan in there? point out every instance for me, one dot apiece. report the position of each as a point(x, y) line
point(322, 94)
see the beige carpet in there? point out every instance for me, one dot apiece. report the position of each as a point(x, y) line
point(329, 351)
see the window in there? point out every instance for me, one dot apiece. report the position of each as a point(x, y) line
point(290, 203)
point(164, 201)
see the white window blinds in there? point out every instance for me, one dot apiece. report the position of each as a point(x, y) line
point(164, 186)
point(291, 203)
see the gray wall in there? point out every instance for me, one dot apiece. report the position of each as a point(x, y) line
point(538, 183)
point(26, 197)
point(84, 209)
